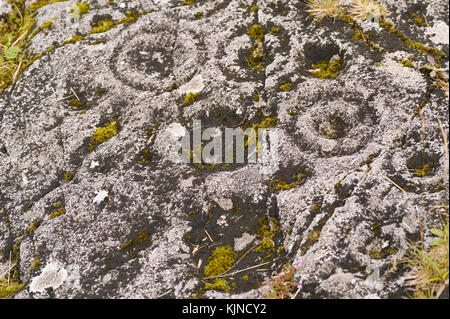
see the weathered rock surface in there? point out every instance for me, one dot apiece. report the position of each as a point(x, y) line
point(133, 222)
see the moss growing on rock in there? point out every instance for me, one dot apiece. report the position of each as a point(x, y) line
point(9, 289)
point(103, 26)
point(191, 97)
point(30, 229)
point(256, 32)
point(80, 8)
point(58, 211)
point(221, 259)
point(103, 134)
point(285, 86)
point(75, 39)
point(267, 231)
point(187, 3)
point(219, 284)
point(256, 56)
point(42, 3)
point(327, 68)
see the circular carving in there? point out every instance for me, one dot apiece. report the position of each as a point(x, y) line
point(154, 57)
point(334, 128)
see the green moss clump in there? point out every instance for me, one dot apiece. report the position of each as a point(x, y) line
point(327, 68)
point(256, 56)
point(57, 212)
point(407, 63)
point(245, 277)
point(187, 3)
point(8, 290)
point(285, 86)
point(198, 15)
point(254, 8)
point(219, 284)
point(68, 177)
point(275, 30)
point(130, 16)
point(35, 265)
point(103, 134)
point(267, 122)
point(103, 26)
point(314, 208)
point(256, 32)
point(424, 170)
point(221, 259)
point(75, 39)
point(76, 103)
point(30, 229)
point(47, 24)
point(126, 245)
point(80, 8)
point(42, 3)
point(266, 233)
point(172, 87)
point(383, 253)
point(99, 41)
point(281, 185)
point(191, 97)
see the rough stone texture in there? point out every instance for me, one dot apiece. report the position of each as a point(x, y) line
point(360, 212)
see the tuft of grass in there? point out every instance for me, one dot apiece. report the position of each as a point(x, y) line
point(9, 289)
point(281, 285)
point(14, 32)
point(321, 9)
point(368, 10)
point(428, 274)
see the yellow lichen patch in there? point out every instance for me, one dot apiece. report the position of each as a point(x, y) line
point(103, 134)
point(327, 68)
point(221, 259)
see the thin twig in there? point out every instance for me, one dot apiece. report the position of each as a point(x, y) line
point(393, 183)
point(209, 236)
point(164, 294)
point(239, 271)
point(75, 94)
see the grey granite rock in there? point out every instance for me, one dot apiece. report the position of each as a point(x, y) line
point(135, 224)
